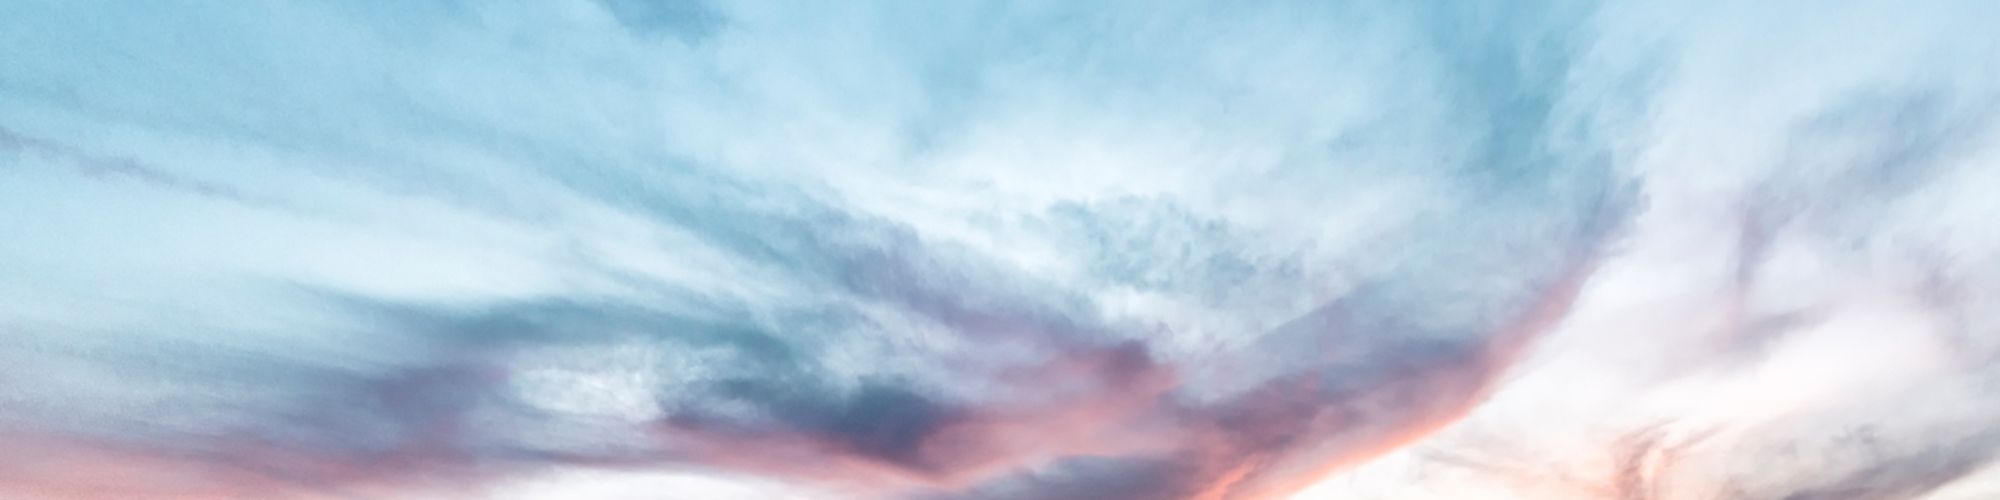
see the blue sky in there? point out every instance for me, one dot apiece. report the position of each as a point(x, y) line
point(693, 249)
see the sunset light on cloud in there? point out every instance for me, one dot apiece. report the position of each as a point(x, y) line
point(708, 249)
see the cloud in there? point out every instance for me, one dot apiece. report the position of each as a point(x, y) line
point(1025, 250)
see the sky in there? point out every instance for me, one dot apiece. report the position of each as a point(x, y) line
point(718, 250)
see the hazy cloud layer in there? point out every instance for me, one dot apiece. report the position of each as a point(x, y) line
point(1022, 250)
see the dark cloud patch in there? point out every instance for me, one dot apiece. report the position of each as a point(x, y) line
point(885, 422)
point(690, 21)
point(1854, 160)
point(583, 321)
point(127, 169)
point(1900, 477)
point(1088, 478)
point(1885, 143)
point(1849, 162)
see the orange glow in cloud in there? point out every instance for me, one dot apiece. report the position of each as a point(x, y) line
point(1500, 352)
